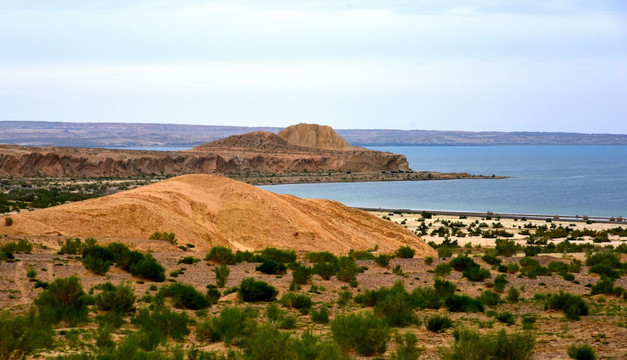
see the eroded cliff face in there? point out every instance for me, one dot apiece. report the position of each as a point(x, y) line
point(60, 162)
point(315, 136)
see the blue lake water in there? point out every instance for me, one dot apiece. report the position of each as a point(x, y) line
point(564, 180)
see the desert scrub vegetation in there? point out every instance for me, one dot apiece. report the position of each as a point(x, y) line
point(471, 345)
point(63, 300)
point(251, 290)
point(364, 333)
point(118, 299)
point(573, 306)
point(405, 252)
point(98, 259)
point(184, 296)
point(21, 335)
point(164, 236)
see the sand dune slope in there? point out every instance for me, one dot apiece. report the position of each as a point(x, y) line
point(207, 210)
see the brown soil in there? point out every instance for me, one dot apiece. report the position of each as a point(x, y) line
point(209, 210)
point(315, 136)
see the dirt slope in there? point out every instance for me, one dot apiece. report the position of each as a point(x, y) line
point(315, 136)
point(207, 210)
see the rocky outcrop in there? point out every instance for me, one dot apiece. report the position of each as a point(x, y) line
point(262, 152)
point(209, 210)
point(315, 136)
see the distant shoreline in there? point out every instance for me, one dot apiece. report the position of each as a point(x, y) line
point(574, 218)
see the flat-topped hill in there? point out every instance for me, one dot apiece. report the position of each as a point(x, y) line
point(209, 210)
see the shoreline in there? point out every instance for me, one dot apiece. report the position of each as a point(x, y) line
point(478, 214)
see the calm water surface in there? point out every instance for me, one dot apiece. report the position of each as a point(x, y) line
point(564, 180)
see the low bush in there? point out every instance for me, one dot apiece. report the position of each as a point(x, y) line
point(63, 300)
point(609, 259)
point(164, 236)
point(347, 269)
point(444, 288)
point(213, 294)
point(463, 263)
point(491, 260)
point(394, 304)
point(361, 254)
point(22, 335)
point(325, 269)
point(573, 306)
point(282, 256)
point(156, 326)
point(184, 296)
point(221, 255)
point(98, 259)
point(296, 301)
point(72, 247)
point(581, 352)
point(188, 260)
point(232, 325)
point(268, 343)
point(513, 295)
point(505, 247)
point(470, 345)
point(222, 275)
point(320, 316)
point(490, 298)
point(427, 298)
point(383, 260)
point(271, 267)
point(429, 260)
point(118, 299)
point(500, 282)
point(406, 347)
point(506, 318)
point(251, 290)
point(442, 270)
point(604, 270)
point(301, 274)
point(463, 303)
point(405, 252)
point(528, 321)
point(606, 286)
point(476, 274)
point(439, 323)
point(364, 333)
point(149, 268)
point(320, 257)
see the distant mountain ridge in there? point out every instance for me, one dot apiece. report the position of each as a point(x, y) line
point(42, 133)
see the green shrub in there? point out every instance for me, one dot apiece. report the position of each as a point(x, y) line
point(8, 221)
point(31, 273)
point(605, 286)
point(581, 352)
point(149, 268)
point(98, 259)
point(232, 325)
point(445, 252)
point(301, 274)
point(268, 343)
point(528, 321)
point(442, 270)
point(361, 254)
point(491, 260)
point(63, 300)
point(463, 263)
point(604, 270)
point(325, 269)
point(470, 345)
point(572, 305)
point(476, 274)
point(463, 303)
point(500, 282)
point(222, 274)
point(427, 298)
point(22, 335)
point(558, 266)
point(364, 333)
point(271, 267)
point(118, 299)
point(213, 294)
point(321, 316)
point(506, 318)
point(439, 323)
point(405, 252)
point(296, 301)
point(72, 247)
point(407, 347)
point(444, 288)
point(184, 296)
point(251, 290)
point(513, 295)
point(429, 260)
point(606, 258)
point(221, 255)
point(347, 269)
point(164, 236)
point(505, 247)
point(574, 266)
point(311, 347)
point(344, 298)
point(396, 306)
point(156, 326)
point(383, 260)
point(320, 257)
point(532, 250)
point(188, 260)
point(282, 256)
point(490, 298)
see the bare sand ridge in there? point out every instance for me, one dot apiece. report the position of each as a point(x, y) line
point(208, 210)
point(315, 136)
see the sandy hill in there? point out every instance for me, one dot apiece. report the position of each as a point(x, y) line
point(207, 210)
point(315, 136)
point(261, 141)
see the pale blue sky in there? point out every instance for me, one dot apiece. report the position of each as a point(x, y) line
point(441, 65)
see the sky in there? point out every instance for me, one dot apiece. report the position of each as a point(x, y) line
point(492, 65)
